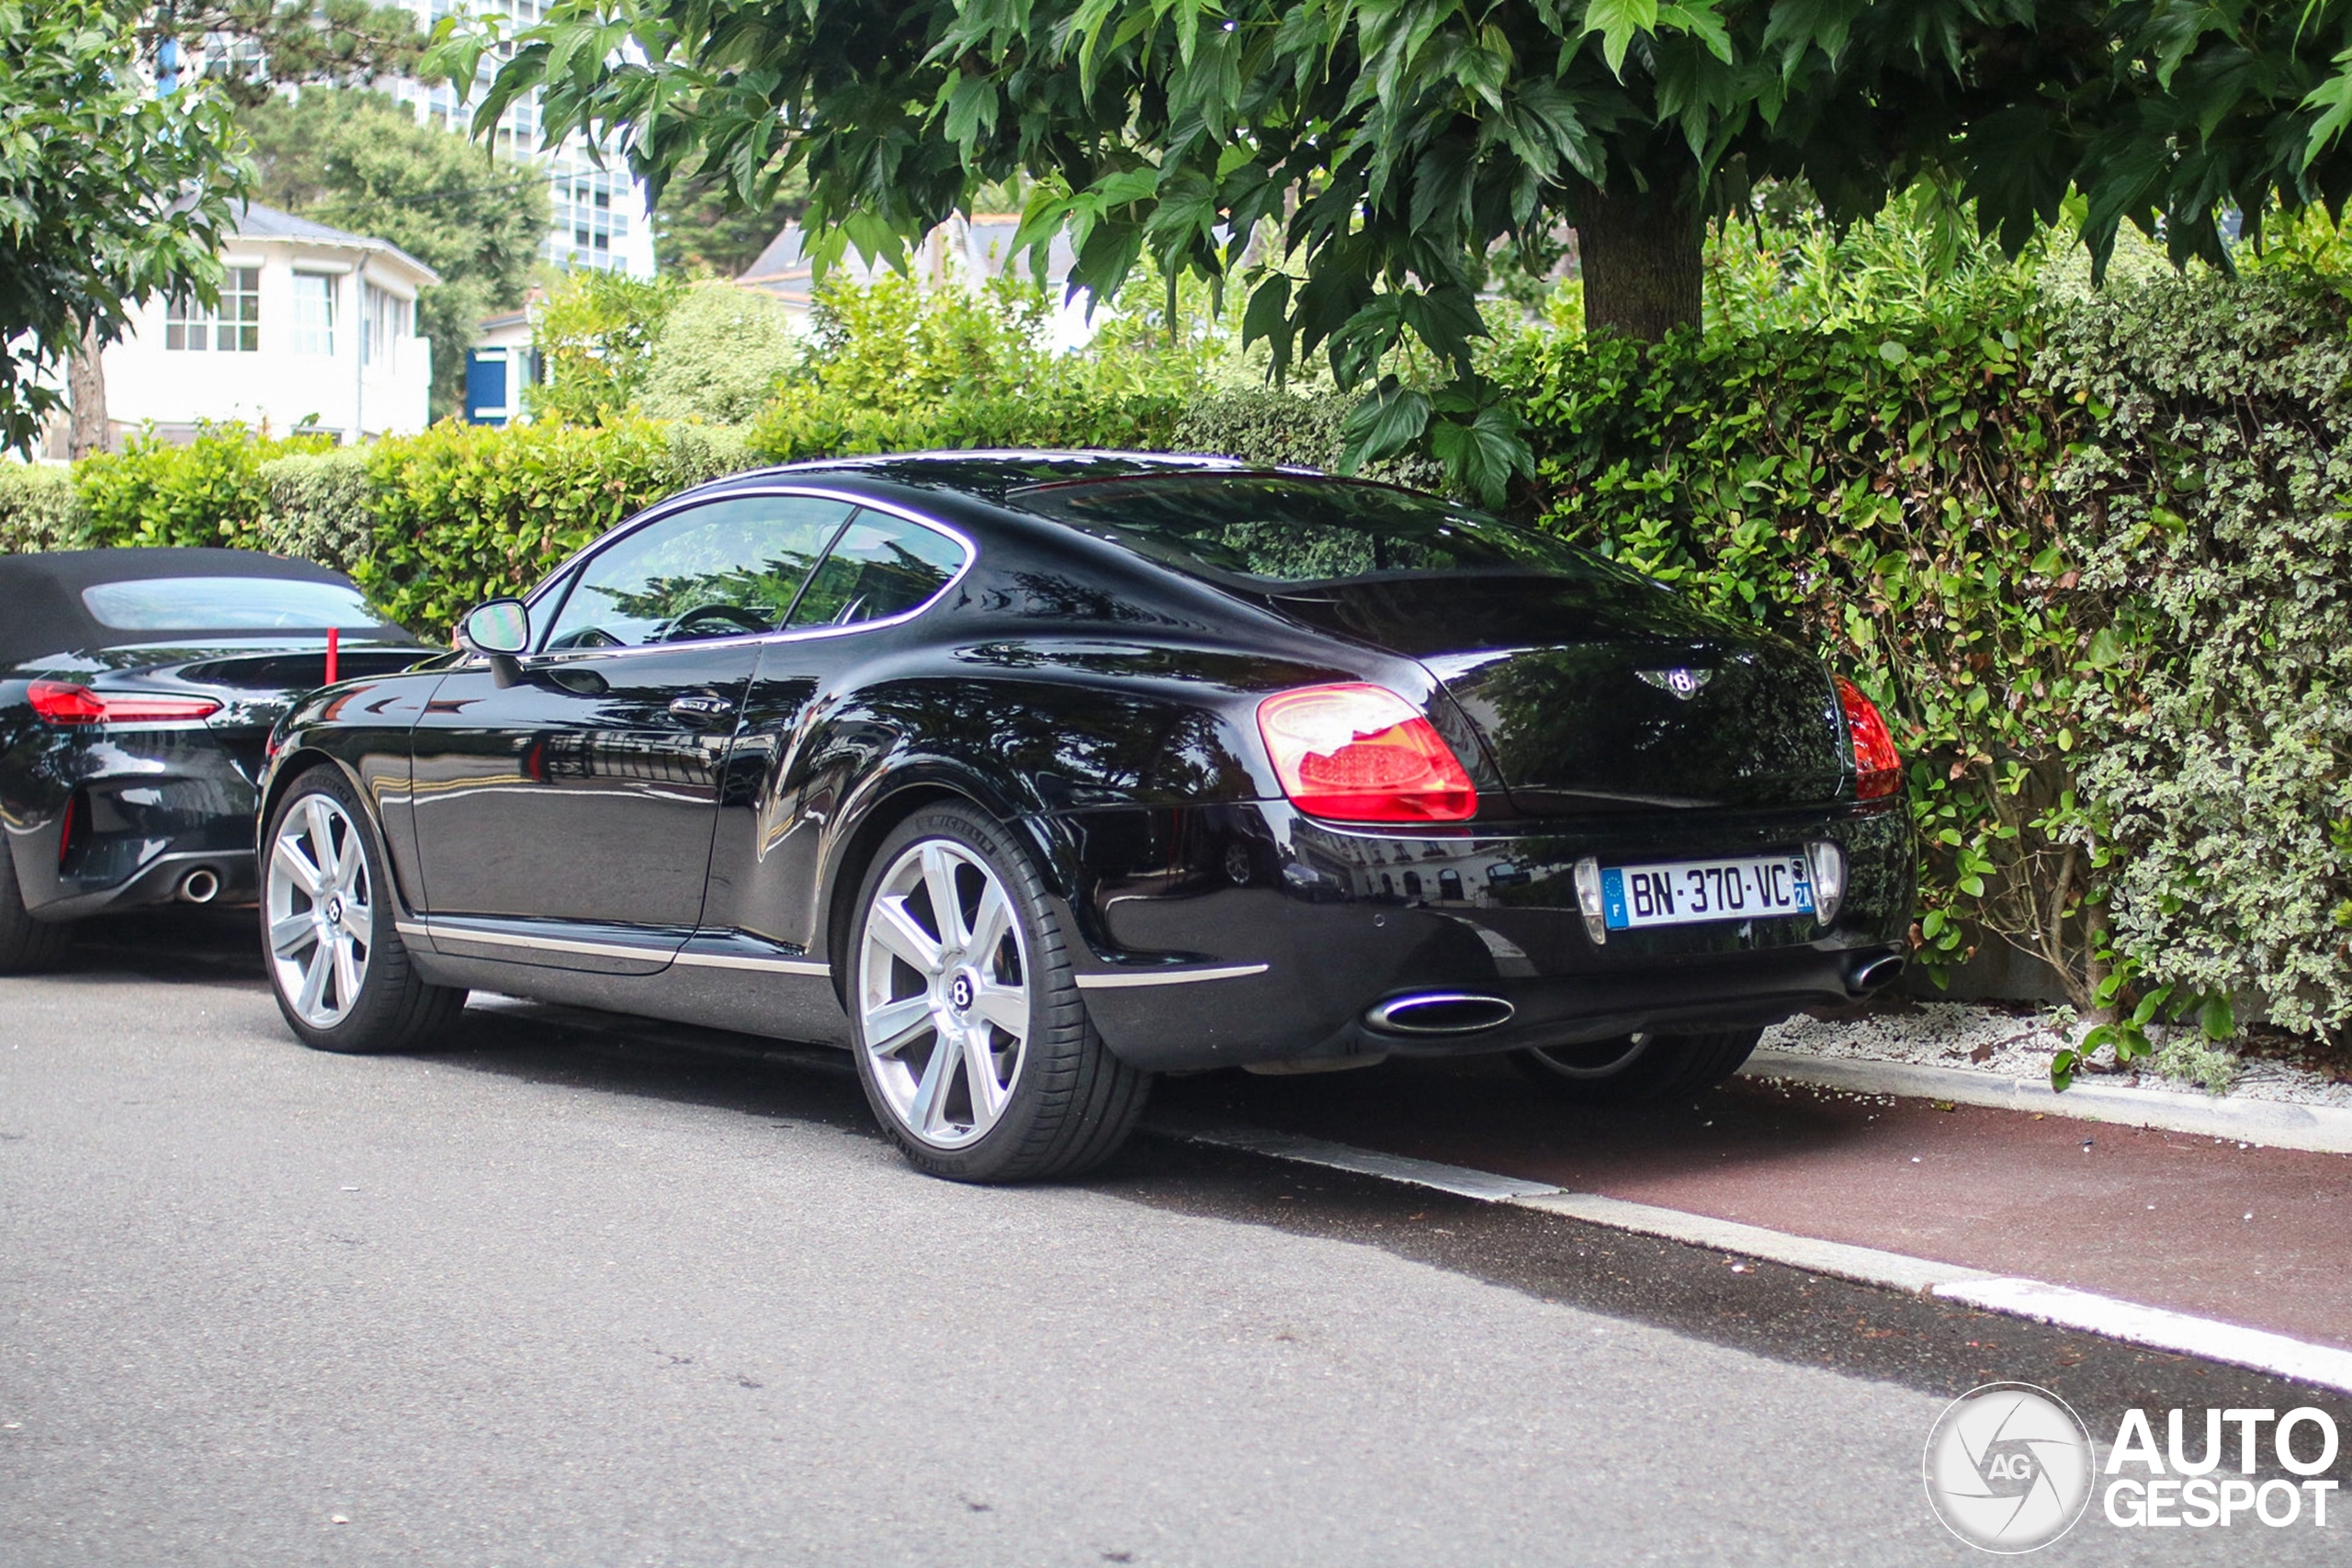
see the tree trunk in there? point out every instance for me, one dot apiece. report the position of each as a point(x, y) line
point(86, 389)
point(1642, 261)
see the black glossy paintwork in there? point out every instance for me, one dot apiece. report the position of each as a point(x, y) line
point(1104, 706)
point(152, 802)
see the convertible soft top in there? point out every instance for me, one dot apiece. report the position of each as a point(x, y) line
point(41, 610)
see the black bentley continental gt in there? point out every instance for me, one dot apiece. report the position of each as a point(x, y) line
point(137, 692)
point(1027, 776)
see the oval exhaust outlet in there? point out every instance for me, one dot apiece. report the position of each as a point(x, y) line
point(1440, 1012)
point(1875, 974)
point(201, 885)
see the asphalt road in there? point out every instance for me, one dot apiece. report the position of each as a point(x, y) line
point(585, 1296)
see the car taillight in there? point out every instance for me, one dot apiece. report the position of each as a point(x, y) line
point(1359, 753)
point(1877, 769)
point(63, 703)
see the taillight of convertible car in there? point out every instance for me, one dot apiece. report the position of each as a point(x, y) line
point(1359, 753)
point(1877, 769)
point(63, 703)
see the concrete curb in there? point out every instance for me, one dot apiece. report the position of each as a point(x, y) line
point(2322, 1129)
point(2157, 1328)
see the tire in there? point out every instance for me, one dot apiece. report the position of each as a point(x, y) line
point(28, 945)
point(374, 1002)
point(1636, 1070)
point(962, 1094)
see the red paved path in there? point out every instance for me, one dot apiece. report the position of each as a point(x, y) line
point(2152, 1217)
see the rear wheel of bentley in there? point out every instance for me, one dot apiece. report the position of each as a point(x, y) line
point(1632, 1069)
point(973, 1044)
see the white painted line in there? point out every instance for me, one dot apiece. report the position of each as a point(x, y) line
point(1893, 1271)
point(2322, 1129)
point(1482, 1185)
point(2156, 1328)
point(2205, 1338)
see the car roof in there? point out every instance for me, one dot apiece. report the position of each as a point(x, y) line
point(993, 476)
point(41, 611)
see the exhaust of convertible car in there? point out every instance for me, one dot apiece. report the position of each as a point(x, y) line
point(1874, 974)
point(1440, 1012)
point(200, 886)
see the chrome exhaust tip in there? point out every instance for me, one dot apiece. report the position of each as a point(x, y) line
point(1875, 974)
point(200, 886)
point(1440, 1012)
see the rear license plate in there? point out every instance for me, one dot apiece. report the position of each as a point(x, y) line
point(1688, 892)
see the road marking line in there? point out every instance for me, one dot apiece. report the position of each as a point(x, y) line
point(2204, 1337)
point(1482, 1185)
point(2276, 1123)
point(2156, 1328)
point(1868, 1265)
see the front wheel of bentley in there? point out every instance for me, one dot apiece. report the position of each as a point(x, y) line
point(342, 977)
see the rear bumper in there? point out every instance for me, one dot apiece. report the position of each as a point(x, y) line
point(147, 810)
point(1227, 935)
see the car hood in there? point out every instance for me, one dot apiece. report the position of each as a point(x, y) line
point(1605, 692)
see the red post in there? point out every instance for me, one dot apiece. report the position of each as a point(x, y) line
point(335, 640)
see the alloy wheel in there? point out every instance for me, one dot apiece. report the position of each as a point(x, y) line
point(320, 907)
point(943, 993)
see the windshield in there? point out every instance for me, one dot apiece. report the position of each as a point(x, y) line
point(1277, 529)
point(227, 604)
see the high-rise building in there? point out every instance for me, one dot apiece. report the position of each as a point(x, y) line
point(599, 217)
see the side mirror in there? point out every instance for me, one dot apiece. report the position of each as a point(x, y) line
point(499, 630)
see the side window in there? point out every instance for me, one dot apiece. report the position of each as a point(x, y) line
point(881, 565)
point(719, 569)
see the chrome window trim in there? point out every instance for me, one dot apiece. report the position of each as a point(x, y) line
point(568, 573)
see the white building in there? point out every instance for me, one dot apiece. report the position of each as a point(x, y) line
point(960, 253)
point(315, 327)
point(600, 218)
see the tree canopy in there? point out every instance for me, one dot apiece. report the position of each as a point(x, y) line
point(107, 194)
point(361, 162)
point(1402, 147)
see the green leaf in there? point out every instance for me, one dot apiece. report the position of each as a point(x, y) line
point(1617, 21)
point(1388, 421)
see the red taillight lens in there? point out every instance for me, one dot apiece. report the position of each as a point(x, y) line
point(1358, 753)
point(1877, 769)
point(63, 703)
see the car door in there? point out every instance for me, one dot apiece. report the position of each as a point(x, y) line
point(580, 787)
point(790, 765)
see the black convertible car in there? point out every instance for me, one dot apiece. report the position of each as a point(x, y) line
point(137, 692)
point(1027, 776)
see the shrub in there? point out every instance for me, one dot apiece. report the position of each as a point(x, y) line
point(468, 512)
point(1287, 429)
point(721, 352)
point(209, 491)
point(40, 509)
point(596, 332)
point(318, 506)
point(2211, 484)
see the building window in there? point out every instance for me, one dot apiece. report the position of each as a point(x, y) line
point(383, 321)
point(314, 314)
point(233, 328)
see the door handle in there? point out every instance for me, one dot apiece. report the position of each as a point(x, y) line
point(700, 704)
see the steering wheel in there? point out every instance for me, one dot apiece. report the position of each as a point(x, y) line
point(746, 620)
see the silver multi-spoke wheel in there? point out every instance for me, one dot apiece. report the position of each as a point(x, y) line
point(319, 911)
point(943, 993)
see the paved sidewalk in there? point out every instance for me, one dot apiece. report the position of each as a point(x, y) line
point(2157, 1218)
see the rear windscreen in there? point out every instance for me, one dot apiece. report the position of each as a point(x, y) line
point(227, 604)
point(1282, 530)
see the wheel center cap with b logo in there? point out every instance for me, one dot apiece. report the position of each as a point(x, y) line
point(959, 993)
point(334, 912)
